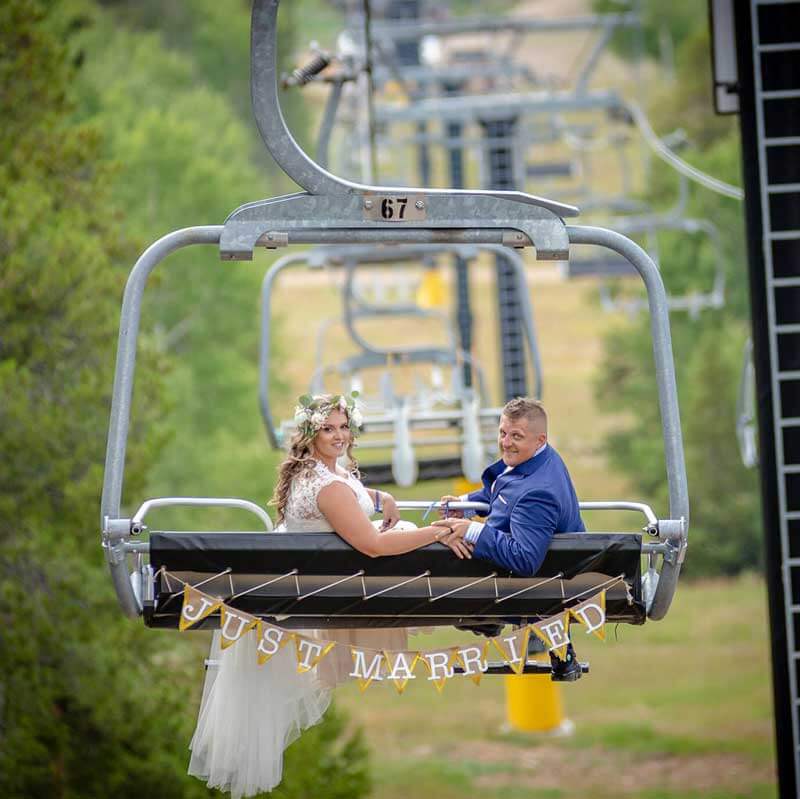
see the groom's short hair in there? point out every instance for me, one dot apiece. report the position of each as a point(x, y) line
point(526, 408)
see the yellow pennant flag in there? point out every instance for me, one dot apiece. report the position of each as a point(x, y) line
point(473, 660)
point(513, 648)
point(440, 665)
point(309, 651)
point(400, 666)
point(233, 624)
point(270, 641)
point(592, 613)
point(196, 606)
point(367, 666)
point(554, 632)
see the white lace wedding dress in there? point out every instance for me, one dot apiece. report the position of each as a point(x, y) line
point(249, 713)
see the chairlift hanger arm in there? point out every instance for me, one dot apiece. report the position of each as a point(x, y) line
point(285, 150)
point(406, 29)
point(473, 108)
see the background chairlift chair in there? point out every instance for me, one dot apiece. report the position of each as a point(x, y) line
point(463, 417)
point(746, 429)
point(605, 268)
point(331, 210)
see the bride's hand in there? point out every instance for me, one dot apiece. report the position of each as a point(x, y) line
point(390, 513)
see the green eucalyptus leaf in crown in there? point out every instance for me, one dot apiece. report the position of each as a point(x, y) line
point(311, 412)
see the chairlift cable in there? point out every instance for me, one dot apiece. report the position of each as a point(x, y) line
point(675, 161)
point(373, 161)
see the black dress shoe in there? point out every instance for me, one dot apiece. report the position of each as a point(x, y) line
point(567, 670)
point(489, 630)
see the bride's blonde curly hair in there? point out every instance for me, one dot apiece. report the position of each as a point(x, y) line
point(299, 460)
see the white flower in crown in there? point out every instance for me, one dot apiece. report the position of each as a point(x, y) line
point(301, 415)
point(356, 417)
point(318, 419)
point(342, 403)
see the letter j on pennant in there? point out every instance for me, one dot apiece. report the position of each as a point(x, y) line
point(196, 606)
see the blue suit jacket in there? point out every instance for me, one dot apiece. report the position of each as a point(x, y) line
point(527, 507)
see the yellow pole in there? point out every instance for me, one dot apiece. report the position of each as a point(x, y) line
point(533, 702)
point(432, 292)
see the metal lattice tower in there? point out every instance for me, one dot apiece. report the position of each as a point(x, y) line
point(501, 174)
point(768, 49)
point(454, 131)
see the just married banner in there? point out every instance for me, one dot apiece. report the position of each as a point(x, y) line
point(397, 666)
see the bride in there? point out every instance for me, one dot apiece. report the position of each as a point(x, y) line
point(249, 714)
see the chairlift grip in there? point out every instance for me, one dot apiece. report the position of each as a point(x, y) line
point(304, 74)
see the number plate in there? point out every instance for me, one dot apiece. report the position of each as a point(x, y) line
point(395, 207)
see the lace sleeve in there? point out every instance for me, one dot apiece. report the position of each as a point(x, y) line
point(303, 497)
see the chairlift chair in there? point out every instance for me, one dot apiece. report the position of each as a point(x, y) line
point(316, 580)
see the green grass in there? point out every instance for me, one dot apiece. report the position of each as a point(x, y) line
point(675, 708)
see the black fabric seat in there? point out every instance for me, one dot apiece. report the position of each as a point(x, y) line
point(586, 560)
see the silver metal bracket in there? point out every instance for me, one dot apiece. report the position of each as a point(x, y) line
point(274, 240)
point(672, 529)
point(515, 239)
point(116, 529)
point(450, 217)
point(115, 552)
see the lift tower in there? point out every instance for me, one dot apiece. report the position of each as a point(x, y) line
point(766, 77)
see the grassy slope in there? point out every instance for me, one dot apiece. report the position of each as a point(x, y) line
point(676, 708)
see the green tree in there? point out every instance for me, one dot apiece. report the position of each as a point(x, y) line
point(725, 530)
point(91, 705)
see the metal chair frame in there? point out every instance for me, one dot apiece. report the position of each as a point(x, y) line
point(335, 211)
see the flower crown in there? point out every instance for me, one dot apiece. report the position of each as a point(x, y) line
point(311, 412)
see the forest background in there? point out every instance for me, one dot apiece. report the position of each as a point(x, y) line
point(123, 121)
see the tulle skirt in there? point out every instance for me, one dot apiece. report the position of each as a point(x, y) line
point(249, 714)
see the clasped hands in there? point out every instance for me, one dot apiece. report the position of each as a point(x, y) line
point(454, 528)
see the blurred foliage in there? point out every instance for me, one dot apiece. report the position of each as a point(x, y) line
point(185, 153)
point(726, 531)
point(664, 23)
point(110, 139)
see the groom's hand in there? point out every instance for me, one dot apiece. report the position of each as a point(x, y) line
point(453, 514)
point(452, 534)
point(452, 527)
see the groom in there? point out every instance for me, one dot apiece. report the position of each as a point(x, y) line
point(531, 498)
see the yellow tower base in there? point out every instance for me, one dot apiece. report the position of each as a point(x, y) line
point(533, 701)
point(533, 704)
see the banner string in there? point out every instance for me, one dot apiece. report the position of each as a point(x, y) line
point(426, 573)
point(531, 587)
point(463, 587)
point(294, 573)
point(607, 584)
point(263, 585)
point(359, 573)
point(173, 594)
